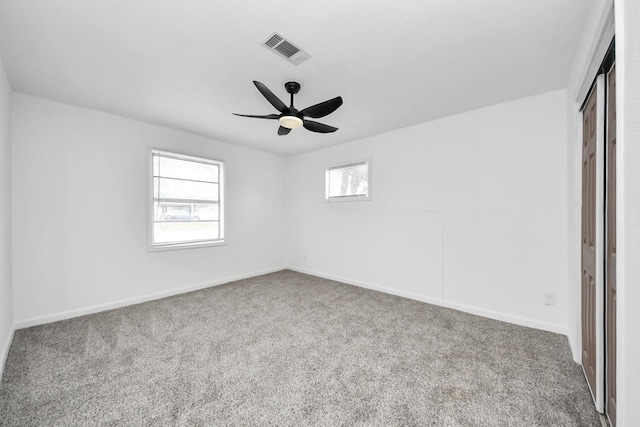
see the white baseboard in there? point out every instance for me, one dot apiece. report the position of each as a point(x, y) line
point(522, 321)
point(443, 303)
point(137, 300)
point(5, 349)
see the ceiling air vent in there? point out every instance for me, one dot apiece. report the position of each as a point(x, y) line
point(283, 47)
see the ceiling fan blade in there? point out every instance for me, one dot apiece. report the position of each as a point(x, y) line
point(323, 109)
point(283, 130)
point(268, 116)
point(318, 127)
point(274, 100)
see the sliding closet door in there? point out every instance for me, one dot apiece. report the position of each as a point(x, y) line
point(610, 343)
point(589, 116)
point(592, 242)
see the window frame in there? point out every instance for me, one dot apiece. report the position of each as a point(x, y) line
point(354, 198)
point(222, 240)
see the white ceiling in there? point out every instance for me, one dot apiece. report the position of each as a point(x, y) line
point(189, 64)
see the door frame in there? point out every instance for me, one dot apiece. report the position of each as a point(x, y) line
point(611, 219)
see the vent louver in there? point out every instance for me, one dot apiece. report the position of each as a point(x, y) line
point(283, 47)
point(273, 40)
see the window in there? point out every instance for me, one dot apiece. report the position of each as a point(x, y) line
point(348, 181)
point(188, 201)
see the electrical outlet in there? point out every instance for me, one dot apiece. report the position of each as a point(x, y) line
point(550, 299)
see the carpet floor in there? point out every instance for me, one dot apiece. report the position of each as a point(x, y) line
point(290, 349)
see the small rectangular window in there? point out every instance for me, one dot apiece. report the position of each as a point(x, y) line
point(187, 201)
point(348, 181)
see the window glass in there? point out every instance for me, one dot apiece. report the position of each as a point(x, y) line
point(348, 181)
point(185, 169)
point(187, 201)
point(171, 188)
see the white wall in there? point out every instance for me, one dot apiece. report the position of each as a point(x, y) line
point(80, 212)
point(628, 279)
point(6, 294)
point(468, 211)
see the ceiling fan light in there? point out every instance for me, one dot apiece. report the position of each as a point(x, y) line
point(291, 122)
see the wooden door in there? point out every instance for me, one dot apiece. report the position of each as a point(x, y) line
point(589, 169)
point(610, 251)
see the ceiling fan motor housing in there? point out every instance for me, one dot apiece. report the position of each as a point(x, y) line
point(292, 87)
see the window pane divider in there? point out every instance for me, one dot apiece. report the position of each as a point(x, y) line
point(185, 179)
point(198, 201)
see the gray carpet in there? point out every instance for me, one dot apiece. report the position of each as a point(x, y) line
point(290, 349)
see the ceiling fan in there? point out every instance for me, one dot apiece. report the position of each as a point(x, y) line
point(291, 118)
